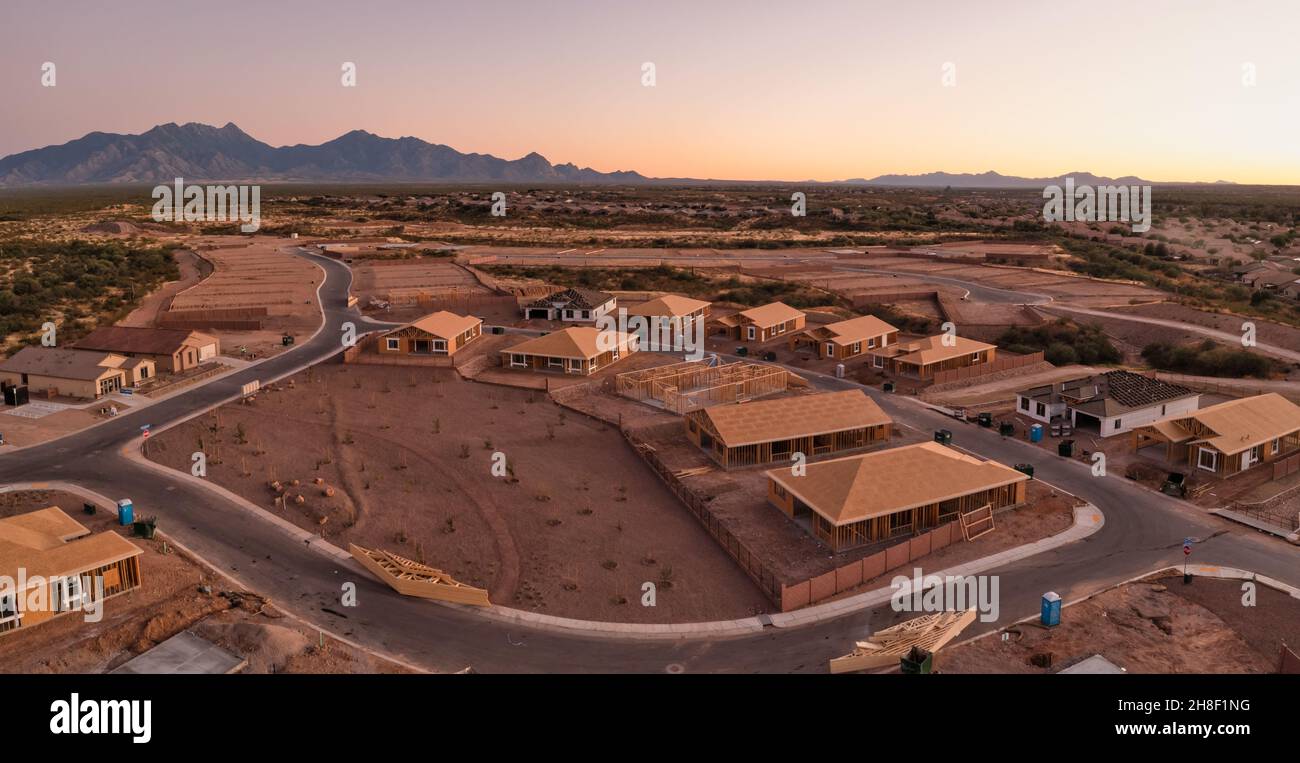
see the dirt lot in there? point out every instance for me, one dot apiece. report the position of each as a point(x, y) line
point(1154, 626)
point(574, 529)
point(168, 602)
point(251, 274)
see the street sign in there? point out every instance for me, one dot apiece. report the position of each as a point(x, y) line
point(1187, 546)
point(145, 429)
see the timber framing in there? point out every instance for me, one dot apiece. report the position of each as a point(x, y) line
point(411, 578)
point(767, 431)
point(887, 647)
point(695, 384)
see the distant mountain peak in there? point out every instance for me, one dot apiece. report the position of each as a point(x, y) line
point(197, 151)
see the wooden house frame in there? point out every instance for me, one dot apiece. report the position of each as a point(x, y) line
point(771, 431)
point(1229, 438)
point(762, 323)
point(441, 333)
point(860, 500)
point(694, 384)
point(922, 358)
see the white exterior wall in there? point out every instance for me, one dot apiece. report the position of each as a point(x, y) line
point(1055, 409)
point(1141, 417)
point(592, 315)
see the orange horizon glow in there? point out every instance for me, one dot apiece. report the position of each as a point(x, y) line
point(745, 91)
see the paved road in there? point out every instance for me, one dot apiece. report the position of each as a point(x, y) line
point(1143, 530)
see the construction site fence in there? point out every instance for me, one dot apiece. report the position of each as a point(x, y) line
point(1003, 363)
point(767, 582)
point(854, 574)
point(1286, 467)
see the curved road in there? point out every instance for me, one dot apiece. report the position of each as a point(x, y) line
point(1143, 530)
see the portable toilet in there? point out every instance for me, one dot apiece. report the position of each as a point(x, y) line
point(1036, 433)
point(1051, 615)
point(125, 512)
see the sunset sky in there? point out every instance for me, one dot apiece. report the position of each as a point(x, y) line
point(745, 90)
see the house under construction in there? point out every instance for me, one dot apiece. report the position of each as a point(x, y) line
point(694, 384)
point(767, 431)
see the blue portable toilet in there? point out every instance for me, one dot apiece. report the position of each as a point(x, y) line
point(1036, 433)
point(125, 512)
point(1051, 615)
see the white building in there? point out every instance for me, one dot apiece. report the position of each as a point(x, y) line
point(1107, 404)
point(571, 306)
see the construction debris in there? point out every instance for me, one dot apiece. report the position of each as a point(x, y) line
point(411, 578)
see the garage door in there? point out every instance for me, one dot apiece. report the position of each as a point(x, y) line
point(207, 351)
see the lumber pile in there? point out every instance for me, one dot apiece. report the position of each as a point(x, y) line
point(410, 578)
point(885, 648)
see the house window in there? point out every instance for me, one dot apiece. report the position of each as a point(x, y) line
point(586, 313)
point(71, 593)
point(394, 344)
point(975, 357)
point(830, 349)
point(880, 362)
point(1040, 409)
point(555, 362)
point(440, 345)
point(517, 360)
point(1275, 446)
point(751, 333)
point(1117, 423)
point(871, 343)
point(1208, 460)
point(857, 347)
point(576, 365)
point(1024, 403)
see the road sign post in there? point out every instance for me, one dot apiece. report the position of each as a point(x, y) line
point(1187, 553)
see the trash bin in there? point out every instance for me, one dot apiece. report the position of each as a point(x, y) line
point(1026, 469)
point(1036, 433)
point(1051, 614)
point(144, 528)
point(1066, 448)
point(1006, 428)
point(888, 386)
point(917, 661)
point(742, 351)
point(769, 356)
point(943, 436)
point(986, 419)
point(125, 512)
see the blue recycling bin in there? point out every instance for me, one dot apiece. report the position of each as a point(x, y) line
point(125, 512)
point(1036, 433)
point(1051, 615)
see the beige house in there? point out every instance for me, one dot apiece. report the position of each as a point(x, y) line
point(172, 350)
point(53, 565)
point(759, 324)
point(847, 339)
point(581, 350)
point(83, 374)
point(441, 333)
point(1228, 438)
point(923, 358)
point(856, 500)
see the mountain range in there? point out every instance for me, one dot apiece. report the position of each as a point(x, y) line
point(200, 152)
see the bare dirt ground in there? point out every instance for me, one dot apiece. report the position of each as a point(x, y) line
point(1005, 389)
point(193, 269)
point(1269, 333)
point(169, 601)
point(22, 430)
point(252, 274)
point(1153, 626)
point(575, 529)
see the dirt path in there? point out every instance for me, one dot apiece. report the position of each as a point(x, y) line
point(146, 315)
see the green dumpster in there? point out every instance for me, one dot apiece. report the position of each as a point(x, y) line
point(916, 661)
point(1066, 448)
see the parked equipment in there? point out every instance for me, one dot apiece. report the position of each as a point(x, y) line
point(286, 340)
point(943, 436)
point(769, 356)
point(1066, 448)
point(16, 395)
point(742, 351)
point(986, 419)
point(1175, 485)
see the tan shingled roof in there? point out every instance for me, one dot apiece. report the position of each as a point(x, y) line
point(443, 324)
point(669, 305)
point(1243, 423)
point(771, 314)
point(931, 349)
point(62, 363)
point(857, 329)
point(577, 342)
point(801, 416)
point(851, 489)
point(48, 543)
